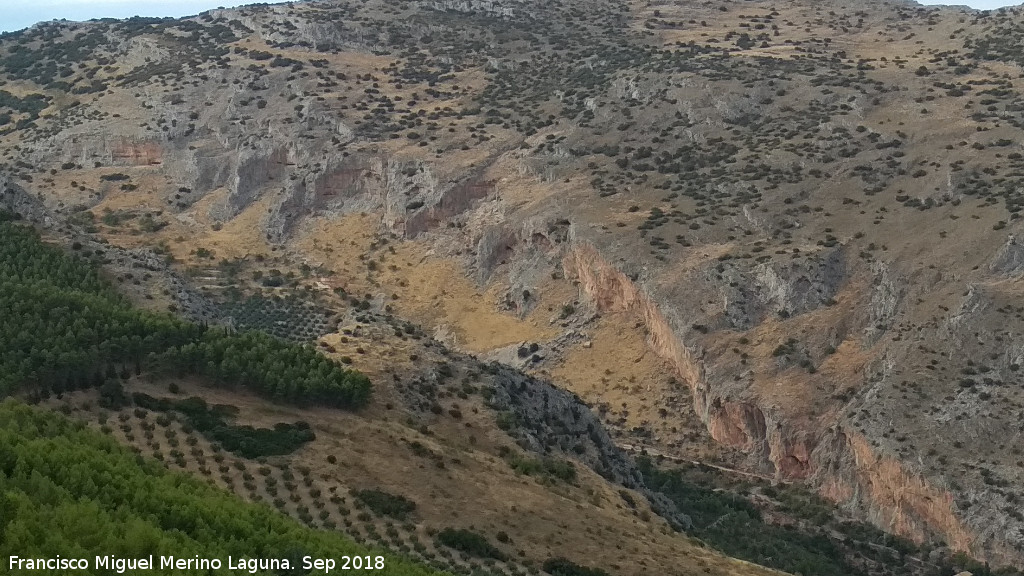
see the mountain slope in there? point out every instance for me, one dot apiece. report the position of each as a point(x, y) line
point(806, 211)
point(444, 444)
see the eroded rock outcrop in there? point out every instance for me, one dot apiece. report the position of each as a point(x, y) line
point(1009, 260)
point(844, 466)
point(851, 471)
point(547, 417)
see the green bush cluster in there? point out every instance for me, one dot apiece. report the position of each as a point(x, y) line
point(469, 542)
point(733, 525)
point(31, 105)
point(563, 567)
point(245, 441)
point(383, 503)
point(555, 467)
point(277, 369)
point(816, 541)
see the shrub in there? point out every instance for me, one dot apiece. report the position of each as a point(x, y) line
point(385, 504)
point(557, 468)
point(242, 440)
point(563, 567)
point(469, 542)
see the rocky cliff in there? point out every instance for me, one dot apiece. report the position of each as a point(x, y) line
point(844, 465)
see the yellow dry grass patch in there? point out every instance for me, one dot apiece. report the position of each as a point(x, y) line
point(364, 61)
point(239, 237)
point(145, 178)
point(439, 295)
point(126, 105)
point(620, 370)
point(431, 291)
point(378, 356)
point(21, 88)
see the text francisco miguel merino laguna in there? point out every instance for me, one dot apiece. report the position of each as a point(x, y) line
point(250, 565)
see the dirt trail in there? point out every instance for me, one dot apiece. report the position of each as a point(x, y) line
point(638, 450)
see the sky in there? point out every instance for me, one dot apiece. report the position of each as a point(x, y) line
point(18, 14)
point(979, 4)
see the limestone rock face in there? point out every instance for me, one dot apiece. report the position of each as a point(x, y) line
point(1009, 260)
point(842, 462)
point(749, 296)
point(19, 202)
point(487, 7)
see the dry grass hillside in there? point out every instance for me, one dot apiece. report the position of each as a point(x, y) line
point(457, 467)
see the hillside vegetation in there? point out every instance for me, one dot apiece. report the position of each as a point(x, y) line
point(62, 304)
point(66, 328)
point(48, 469)
point(68, 491)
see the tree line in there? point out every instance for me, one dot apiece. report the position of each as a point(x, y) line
point(65, 328)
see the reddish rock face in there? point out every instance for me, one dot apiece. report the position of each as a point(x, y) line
point(341, 181)
point(137, 153)
point(843, 467)
point(454, 201)
point(901, 500)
